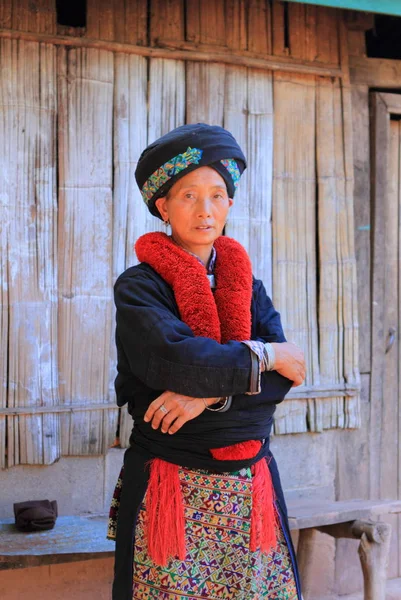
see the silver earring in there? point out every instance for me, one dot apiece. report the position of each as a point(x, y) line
point(167, 223)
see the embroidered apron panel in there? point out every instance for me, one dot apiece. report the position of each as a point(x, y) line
point(219, 564)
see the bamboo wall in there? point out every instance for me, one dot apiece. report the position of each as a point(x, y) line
point(79, 106)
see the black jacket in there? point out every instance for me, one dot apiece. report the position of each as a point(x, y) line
point(157, 351)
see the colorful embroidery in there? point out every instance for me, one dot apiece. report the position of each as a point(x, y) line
point(168, 170)
point(219, 563)
point(232, 168)
point(114, 506)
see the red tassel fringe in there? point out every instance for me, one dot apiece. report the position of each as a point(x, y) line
point(165, 509)
point(165, 513)
point(264, 517)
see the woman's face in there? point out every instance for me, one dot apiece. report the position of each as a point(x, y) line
point(197, 206)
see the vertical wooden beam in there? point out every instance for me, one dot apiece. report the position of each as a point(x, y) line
point(379, 174)
point(362, 211)
point(398, 526)
point(390, 409)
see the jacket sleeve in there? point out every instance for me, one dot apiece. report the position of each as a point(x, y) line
point(267, 325)
point(268, 328)
point(163, 352)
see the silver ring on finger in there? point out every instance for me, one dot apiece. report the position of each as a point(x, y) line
point(163, 409)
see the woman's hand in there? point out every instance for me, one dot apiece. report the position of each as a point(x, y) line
point(290, 362)
point(180, 409)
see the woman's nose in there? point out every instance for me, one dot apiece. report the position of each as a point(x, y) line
point(204, 207)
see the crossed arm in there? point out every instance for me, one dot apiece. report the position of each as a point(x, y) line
point(144, 314)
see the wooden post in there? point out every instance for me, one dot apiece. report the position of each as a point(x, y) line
point(306, 544)
point(374, 550)
point(374, 557)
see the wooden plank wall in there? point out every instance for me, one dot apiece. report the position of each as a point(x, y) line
point(313, 233)
point(28, 200)
point(338, 322)
point(371, 467)
point(390, 442)
point(263, 27)
point(85, 100)
point(294, 229)
point(110, 105)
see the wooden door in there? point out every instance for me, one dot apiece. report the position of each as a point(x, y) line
point(385, 444)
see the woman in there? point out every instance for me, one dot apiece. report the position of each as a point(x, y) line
point(198, 510)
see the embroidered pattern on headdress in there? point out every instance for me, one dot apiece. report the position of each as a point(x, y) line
point(168, 170)
point(232, 168)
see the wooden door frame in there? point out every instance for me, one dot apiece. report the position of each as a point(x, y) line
point(382, 106)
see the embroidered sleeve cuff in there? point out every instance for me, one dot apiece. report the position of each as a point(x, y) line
point(257, 350)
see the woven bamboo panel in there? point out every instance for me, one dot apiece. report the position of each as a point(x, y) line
point(205, 92)
point(85, 245)
point(294, 230)
point(330, 345)
point(58, 351)
point(337, 269)
point(260, 173)
point(166, 106)
point(166, 110)
point(242, 100)
point(236, 121)
point(28, 228)
point(130, 212)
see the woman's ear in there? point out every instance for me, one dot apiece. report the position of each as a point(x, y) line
point(230, 202)
point(161, 207)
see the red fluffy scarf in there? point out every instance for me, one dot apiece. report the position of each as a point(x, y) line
point(223, 315)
